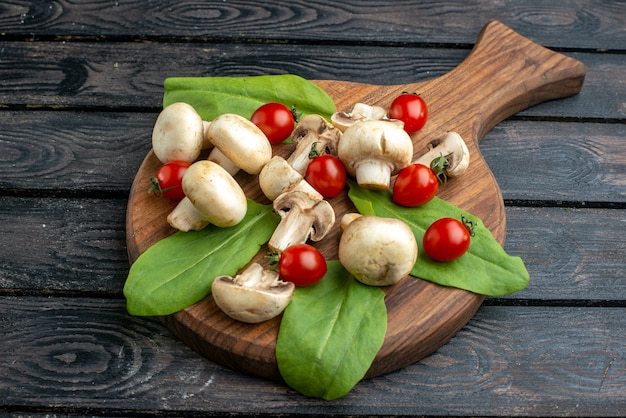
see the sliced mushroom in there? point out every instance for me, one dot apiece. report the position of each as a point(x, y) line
point(211, 196)
point(239, 144)
point(313, 136)
point(373, 151)
point(451, 153)
point(303, 216)
point(360, 112)
point(178, 133)
point(253, 296)
point(278, 177)
point(377, 251)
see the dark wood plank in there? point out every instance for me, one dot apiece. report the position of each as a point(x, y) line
point(78, 246)
point(592, 25)
point(87, 356)
point(63, 245)
point(582, 163)
point(130, 75)
point(73, 152)
point(100, 152)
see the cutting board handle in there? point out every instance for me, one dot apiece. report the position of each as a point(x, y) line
point(504, 73)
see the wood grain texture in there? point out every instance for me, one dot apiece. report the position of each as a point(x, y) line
point(87, 357)
point(129, 76)
point(592, 25)
point(63, 246)
point(565, 250)
point(504, 73)
point(98, 153)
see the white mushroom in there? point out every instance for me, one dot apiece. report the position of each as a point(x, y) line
point(360, 112)
point(373, 151)
point(253, 296)
point(239, 144)
point(303, 216)
point(447, 155)
point(377, 251)
point(313, 136)
point(211, 196)
point(278, 177)
point(178, 133)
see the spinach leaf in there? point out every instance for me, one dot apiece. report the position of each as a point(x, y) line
point(330, 333)
point(213, 96)
point(485, 268)
point(177, 271)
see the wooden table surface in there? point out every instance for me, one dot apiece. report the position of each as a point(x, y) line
point(81, 84)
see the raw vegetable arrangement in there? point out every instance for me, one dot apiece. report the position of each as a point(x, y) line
point(213, 128)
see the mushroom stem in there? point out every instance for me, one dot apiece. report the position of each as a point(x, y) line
point(303, 216)
point(218, 157)
point(185, 217)
point(373, 174)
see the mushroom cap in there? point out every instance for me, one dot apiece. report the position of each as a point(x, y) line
point(215, 193)
point(373, 151)
point(453, 148)
point(253, 296)
point(178, 133)
point(360, 112)
point(378, 251)
point(241, 141)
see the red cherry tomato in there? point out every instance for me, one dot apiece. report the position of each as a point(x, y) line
point(415, 185)
point(410, 109)
point(275, 120)
point(447, 239)
point(327, 175)
point(169, 178)
point(302, 264)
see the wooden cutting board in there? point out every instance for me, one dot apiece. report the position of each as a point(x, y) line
point(504, 74)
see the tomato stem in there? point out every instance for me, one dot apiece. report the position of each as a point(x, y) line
point(470, 225)
point(439, 166)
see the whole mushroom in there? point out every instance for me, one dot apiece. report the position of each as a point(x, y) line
point(278, 177)
point(312, 136)
point(377, 251)
point(253, 296)
point(451, 153)
point(373, 151)
point(238, 144)
point(211, 196)
point(304, 217)
point(178, 133)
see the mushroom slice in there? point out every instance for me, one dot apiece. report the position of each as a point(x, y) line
point(303, 216)
point(253, 296)
point(360, 112)
point(447, 155)
point(278, 177)
point(373, 151)
point(313, 136)
point(377, 251)
point(178, 133)
point(239, 144)
point(211, 196)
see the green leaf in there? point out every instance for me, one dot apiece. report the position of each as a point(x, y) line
point(485, 268)
point(178, 271)
point(213, 96)
point(330, 334)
